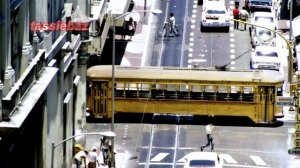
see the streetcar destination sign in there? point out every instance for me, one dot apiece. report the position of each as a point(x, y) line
point(284, 101)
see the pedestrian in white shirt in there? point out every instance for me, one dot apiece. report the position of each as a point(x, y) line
point(244, 15)
point(93, 158)
point(210, 143)
point(79, 157)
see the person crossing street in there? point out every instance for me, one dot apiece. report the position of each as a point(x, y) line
point(210, 142)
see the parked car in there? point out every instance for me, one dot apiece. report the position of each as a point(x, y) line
point(215, 15)
point(260, 5)
point(203, 159)
point(265, 57)
point(261, 36)
point(265, 18)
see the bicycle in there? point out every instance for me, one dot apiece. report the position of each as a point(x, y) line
point(166, 30)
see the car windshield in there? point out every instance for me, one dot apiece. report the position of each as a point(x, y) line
point(216, 12)
point(266, 54)
point(264, 19)
point(202, 163)
point(264, 33)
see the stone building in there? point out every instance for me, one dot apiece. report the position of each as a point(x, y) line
point(42, 79)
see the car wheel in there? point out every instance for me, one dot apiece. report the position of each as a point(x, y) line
point(251, 66)
point(227, 29)
point(202, 28)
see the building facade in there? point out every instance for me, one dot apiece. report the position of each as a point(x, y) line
point(42, 79)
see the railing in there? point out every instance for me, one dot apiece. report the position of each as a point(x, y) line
point(18, 91)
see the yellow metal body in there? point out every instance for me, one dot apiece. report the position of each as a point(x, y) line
point(185, 91)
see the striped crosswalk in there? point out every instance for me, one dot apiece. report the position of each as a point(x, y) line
point(228, 160)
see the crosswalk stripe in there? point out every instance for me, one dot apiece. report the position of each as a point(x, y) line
point(228, 158)
point(258, 160)
point(159, 157)
point(182, 159)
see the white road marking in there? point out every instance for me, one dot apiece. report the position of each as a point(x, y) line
point(190, 54)
point(192, 26)
point(232, 45)
point(194, 11)
point(232, 51)
point(258, 160)
point(191, 39)
point(194, 6)
point(194, 16)
point(159, 157)
point(232, 40)
point(242, 166)
point(191, 44)
point(191, 34)
point(232, 56)
point(228, 158)
point(196, 60)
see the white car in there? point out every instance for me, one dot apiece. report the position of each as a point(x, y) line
point(215, 15)
point(265, 18)
point(203, 159)
point(265, 57)
point(261, 36)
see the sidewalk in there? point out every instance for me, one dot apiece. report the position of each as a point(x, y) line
point(120, 157)
point(134, 49)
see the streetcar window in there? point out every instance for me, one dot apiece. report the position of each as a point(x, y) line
point(279, 91)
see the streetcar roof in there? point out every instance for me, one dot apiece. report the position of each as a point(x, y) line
point(102, 72)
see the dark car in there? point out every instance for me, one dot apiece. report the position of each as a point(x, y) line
point(260, 5)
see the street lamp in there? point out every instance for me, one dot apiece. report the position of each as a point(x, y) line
point(114, 18)
point(54, 145)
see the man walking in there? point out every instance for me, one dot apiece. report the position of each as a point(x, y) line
point(208, 130)
point(172, 22)
point(236, 16)
point(80, 158)
point(244, 15)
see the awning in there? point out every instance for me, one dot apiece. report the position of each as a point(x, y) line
point(135, 16)
point(296, 25)
point(283, 25)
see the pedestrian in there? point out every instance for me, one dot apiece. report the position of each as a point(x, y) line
point(93, 158)
point(80, 158)
point(236, 17)
point(210, 143)
point(244, 15)
point(104, 145)
point(172, 22)
point(131, 28)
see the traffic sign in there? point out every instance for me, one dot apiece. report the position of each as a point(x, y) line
point(294, 151)
point(284, 101)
